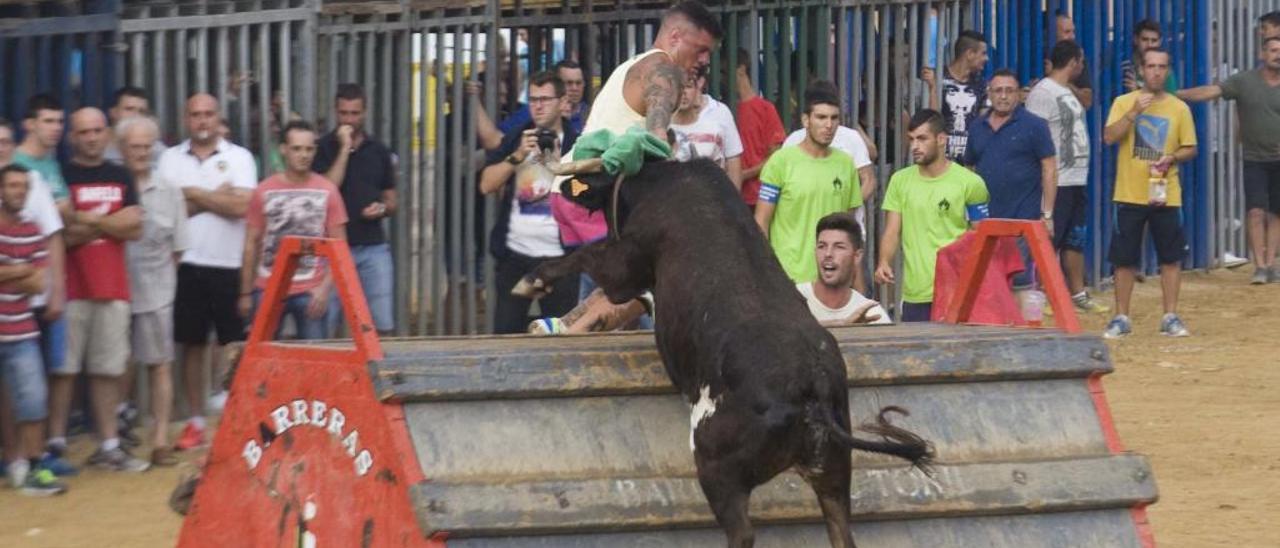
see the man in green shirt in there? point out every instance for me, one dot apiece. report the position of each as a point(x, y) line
point(927, 206)
point(1257, 94)
point(38, 152)
point(801, 184)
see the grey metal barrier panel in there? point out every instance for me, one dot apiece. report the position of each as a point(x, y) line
point(581, 441)
point(54, 47)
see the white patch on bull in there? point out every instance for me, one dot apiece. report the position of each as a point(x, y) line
point(702, 410)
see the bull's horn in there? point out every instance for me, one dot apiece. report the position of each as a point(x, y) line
point(580, 167)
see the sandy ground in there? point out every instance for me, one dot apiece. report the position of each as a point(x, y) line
point(1204, 409)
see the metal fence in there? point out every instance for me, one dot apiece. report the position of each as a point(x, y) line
point(267, 60)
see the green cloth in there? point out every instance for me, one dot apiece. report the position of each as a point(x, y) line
point(48, 169)
point(1259, 106)
point(624, 153)
point(803, 190)
point(933, 216)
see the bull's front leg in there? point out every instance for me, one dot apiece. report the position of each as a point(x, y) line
point(617, 266)
point(538, 283)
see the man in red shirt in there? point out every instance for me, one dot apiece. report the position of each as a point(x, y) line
point(105, 215)
point(298, 202)
point(759, 127)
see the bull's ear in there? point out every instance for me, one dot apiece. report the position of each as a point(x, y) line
point(588, 190)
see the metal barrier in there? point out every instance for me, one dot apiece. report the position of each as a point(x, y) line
point(49, 47)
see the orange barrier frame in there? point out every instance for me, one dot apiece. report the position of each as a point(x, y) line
point(306, 452)
point(1046, 262)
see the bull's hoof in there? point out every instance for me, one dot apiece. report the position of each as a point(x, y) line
point(530, 288)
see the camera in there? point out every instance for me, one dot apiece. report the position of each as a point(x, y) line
point(546, 139)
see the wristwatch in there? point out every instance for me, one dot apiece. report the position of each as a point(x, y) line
point(511, 159)
point(1046, 215)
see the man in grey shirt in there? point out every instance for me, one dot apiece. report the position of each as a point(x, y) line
point(1257, 93)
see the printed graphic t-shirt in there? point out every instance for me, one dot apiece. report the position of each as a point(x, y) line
point(282, 208)
point(96, 270)
point(1064, 113)
point(1161, 129)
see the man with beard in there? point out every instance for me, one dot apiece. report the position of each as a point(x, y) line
point(216, 178)
point(803, 183)
point(830, 296)
point(927, 206)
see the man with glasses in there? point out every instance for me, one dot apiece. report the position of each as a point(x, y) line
point(1012, 150)
point(525, 234)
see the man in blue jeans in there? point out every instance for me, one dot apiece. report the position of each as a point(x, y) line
point(364, 170)
point(21, 367)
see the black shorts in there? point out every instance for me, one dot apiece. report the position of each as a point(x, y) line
point(1262, 186)
point(1166, 233)
point(1070, 230)
point(206, 297)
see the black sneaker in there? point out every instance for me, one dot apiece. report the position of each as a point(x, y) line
point(42, 483)
point(117, 460)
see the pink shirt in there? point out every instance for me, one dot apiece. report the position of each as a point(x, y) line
point(282, 208)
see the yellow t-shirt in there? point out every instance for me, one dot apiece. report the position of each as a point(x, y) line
point(1163, 128)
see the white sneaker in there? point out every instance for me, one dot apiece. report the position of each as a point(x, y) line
point(17, 471)
point(217, 402)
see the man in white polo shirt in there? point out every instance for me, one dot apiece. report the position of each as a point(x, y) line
point(217, 179)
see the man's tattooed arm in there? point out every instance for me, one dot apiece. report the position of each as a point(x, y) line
point(662, 87)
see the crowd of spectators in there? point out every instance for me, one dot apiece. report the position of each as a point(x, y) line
point(126, 246)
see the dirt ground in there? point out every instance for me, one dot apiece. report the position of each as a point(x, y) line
point(1204, 409)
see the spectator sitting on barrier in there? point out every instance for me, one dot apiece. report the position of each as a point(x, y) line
point(525, 235)
point(365, 171)
point(964, 92)
point(801, 184)
point(1011, 149)
point(216, 178)
point(153, 277)
point(830, 296)
point(1057, 102)
point(297, 202)
point(1155, 132)
point(927, 206)
point(704, 128)
point(21, 367)
point(106, 215)
point(1257, 93)
point(130, 101)
point(759, 129)
point(1146, 35)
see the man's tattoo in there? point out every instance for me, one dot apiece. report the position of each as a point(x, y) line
point(662, 87)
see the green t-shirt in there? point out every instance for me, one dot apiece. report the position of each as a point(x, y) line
point(805, 189)
point(1259, 107)
point(48, 169)
point(934, 214)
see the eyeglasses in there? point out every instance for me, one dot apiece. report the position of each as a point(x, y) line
point(542, 100)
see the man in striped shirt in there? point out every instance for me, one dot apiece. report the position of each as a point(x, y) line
point(22, 262)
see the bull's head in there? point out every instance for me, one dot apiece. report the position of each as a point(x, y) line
point(588, 185)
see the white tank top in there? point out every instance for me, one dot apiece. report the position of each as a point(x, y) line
point(609, 108)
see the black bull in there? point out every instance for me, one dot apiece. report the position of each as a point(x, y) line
point(767, 383)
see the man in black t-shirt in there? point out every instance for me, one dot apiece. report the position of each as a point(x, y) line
point(364, 170)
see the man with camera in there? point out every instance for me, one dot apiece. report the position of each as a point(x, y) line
point(525, 234)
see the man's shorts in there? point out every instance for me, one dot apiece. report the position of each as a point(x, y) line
point(22, 370)
point(206, 298)
point(151, 336)
point(1070, 208)
point(1262, 186)
point(53, 341)
point(1165, 224)
point(97, 338)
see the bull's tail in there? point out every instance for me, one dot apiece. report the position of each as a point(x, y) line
point(894, 440)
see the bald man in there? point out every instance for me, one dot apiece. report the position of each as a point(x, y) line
point(104, 214)
point(217, 178)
